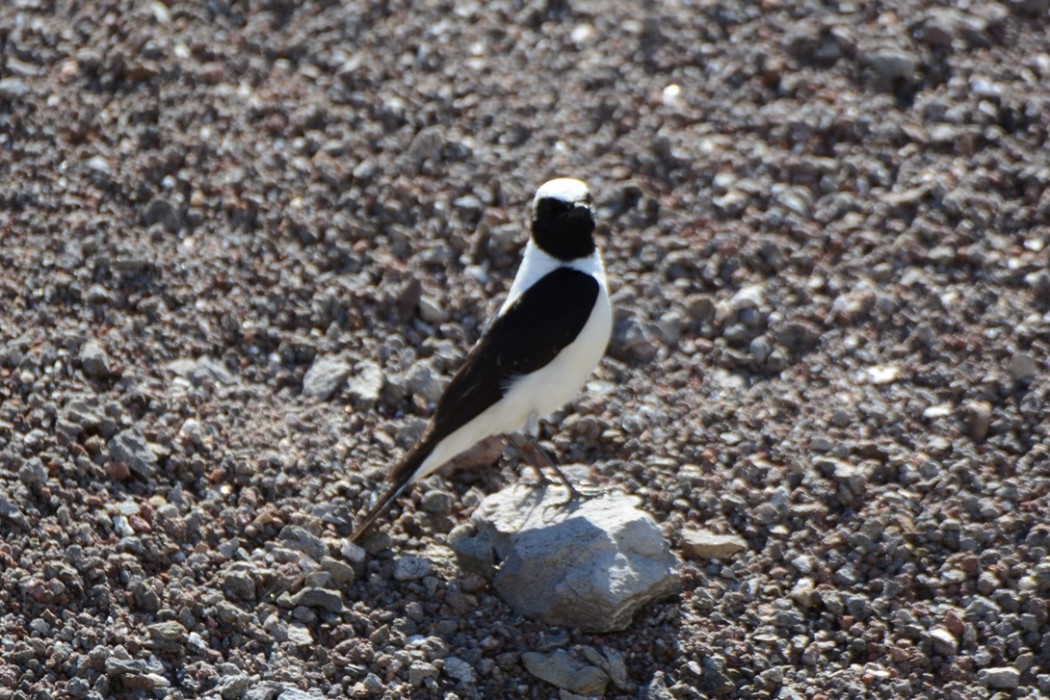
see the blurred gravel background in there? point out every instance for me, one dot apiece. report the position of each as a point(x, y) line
point(245, 243)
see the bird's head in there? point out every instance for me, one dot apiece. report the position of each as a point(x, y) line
point(562, 219)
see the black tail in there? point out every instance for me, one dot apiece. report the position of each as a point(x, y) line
point(386, 500)
point(402, 478)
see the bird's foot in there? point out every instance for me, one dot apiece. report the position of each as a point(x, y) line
point(576, 493)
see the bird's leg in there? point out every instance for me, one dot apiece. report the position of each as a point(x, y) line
point(528, 448)
point(521, 447)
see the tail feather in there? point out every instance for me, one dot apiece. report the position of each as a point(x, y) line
point(401, 477)
point(366, 523)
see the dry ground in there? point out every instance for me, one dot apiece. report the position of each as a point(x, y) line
point(826, 225)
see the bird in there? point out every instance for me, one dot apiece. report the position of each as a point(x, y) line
point(545, 341)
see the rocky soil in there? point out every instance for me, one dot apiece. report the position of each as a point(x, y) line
point(245, 243)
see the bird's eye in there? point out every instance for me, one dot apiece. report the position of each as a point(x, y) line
point(549, 206)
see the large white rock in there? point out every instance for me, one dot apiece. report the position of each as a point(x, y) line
point(591, 564)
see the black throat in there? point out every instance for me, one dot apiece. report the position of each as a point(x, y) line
point(563, 230)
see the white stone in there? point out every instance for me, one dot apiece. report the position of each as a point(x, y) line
point(590, 564)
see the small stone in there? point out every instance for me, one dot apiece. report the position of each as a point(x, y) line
point(33, 472)
point(299, 634)
point(129, 447)
point(634, 337)
point(305, 541)
point(201, 370)
point(233, 686)
point(610, 661)
point(891, 64)
point(749, 297)
point(365, 387)
point(422, 381)
point(409, 567)
point(431, 311)
point(1022, 368)
point(701, 309)
point(670, 325)
point(797, 200)
point(979, 419)
point(987, 582)
point(162, 211)
point(296, 694)
point(323, 598)
point(797, 336)
point(459, 670)
point(943, 641)
point(238, 583)
point(1004, 677)
point(438, 502)
point(562, 670)
point(760, 349)
point(732, 203)
point(473, 550)
point(883, 374)
point(419, 671)
point(324, 378)
point(803, 593)
point(12, 89)
point(169, 637)
point(192, 432)
point(94, 360)
point(703, 544)
point(82, 413)
point(427, 144)
point(843, 473)
point(341, 572)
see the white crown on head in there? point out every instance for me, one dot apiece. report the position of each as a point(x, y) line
point(564, 189)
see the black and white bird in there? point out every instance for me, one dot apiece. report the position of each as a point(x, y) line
point(541, 347)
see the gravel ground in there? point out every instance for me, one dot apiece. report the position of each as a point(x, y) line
point(245, 243)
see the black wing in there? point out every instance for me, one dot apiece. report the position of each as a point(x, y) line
point(543, 321)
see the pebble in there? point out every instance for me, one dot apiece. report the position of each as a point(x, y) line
point(168, 637)
point(339, 571)
point(322, 598)
point(1003, 677)
point(161, 210)
point(12, 89)
point(366, 385)
point(305, 541)
point(324, 378)
point(703, 544)
point(943, 641)
point(94, 360)
point(233, 686)
point(1022, 368)
point(300, 635)
point(431, 311)
point(238, 584)
point(459, 670)
point(33, 472)
point(130, 448)
point(410, 567)
point(891, 63)
point(438, 501)
point(420, 671)
point(562, 670)
point(421, 380)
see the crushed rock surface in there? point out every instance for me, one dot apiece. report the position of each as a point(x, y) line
point(243, 245)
